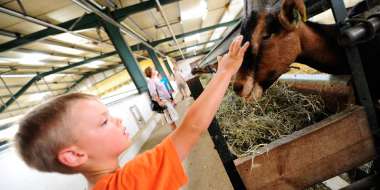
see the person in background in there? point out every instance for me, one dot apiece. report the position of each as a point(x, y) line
point(159, 94)
point(164, 80)
point(181, 83)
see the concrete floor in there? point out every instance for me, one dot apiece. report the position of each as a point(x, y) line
point(203, 166)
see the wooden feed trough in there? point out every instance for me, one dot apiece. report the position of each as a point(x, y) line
point(311, 155)
point(316, 153)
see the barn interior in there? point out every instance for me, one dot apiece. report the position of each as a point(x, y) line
point(50, 48)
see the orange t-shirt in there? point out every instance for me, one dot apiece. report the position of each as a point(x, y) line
point(159, 168)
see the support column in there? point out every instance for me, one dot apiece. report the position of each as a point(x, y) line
point(168, 66)
point(156, 62)
point(125, 54)
point(158, 66)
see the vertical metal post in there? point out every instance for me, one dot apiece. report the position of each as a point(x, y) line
point(168, 66)
point(220, 143)
point(358, 74)
point(359, 78)
point(2, 101)
point(126, 56)
point(157, 64)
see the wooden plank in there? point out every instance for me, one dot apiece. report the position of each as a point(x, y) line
point(314, 154)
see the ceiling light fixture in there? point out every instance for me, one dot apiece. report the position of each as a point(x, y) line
point(18, 76)
point(94, 64)
point(33, 58)
point(199, 11)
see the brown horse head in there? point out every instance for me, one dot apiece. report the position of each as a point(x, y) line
point(272, 30)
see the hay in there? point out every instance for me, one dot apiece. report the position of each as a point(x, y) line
point(248, 126)
point(205, 79)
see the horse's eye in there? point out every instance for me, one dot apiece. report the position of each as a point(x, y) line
point(266, 36)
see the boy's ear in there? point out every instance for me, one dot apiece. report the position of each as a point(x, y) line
point(72, 157)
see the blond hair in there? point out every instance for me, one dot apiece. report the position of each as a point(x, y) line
point(42, 134)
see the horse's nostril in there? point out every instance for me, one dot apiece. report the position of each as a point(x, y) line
point(238, 88)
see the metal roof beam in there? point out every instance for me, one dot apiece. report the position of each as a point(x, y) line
point(163, 14)
point(195, 45)
point(77, 82)
point(21, 108)
point(35, 92)
point(85, 22)
point(122, 13)
point(78, 64)
point(225, 24)
point(59, 54)
point(123, 28)
point(40, 22)
point(41, 75)
point(48, 41)
point(68, 45)
point(38, 68)
point(197, 53)
point(25, 72)
point(51, 83)
point(9, 34)
point(85, 76)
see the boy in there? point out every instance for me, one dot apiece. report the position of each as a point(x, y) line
point(74, 133)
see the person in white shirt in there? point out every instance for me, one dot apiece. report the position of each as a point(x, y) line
point(181, 83)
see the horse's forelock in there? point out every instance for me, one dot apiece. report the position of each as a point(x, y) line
point(251, 62)
point(259, 5)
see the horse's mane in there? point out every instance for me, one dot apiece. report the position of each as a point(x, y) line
point(328, 31)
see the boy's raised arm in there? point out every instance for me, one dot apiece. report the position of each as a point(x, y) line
point(203, 110)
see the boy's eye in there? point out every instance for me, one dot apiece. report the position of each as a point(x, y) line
point(104, 123)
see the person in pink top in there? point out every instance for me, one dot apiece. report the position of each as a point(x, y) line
point(160, 94)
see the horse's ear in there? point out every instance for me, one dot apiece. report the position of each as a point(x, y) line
point(292, 13)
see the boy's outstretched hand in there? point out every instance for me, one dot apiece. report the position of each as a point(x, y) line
point(231, 62)
point(202, 111)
